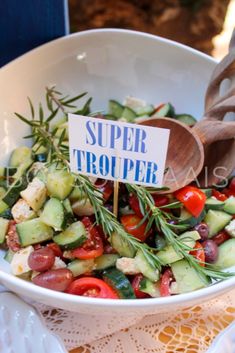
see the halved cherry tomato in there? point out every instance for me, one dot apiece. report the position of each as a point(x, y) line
point(106, 187)
point(56, 249)
point(159, 201)
point(93, 246)
point(199, 253)
point(192, 198)
point(91, 287)
point(134, 226)
point(166, 280)
point(229, 192)
point(221, 237)
point(218, 195)
point(136, 286)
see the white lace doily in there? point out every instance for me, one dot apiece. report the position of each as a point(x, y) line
point(190, 330)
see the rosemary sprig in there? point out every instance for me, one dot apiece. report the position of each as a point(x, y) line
point(58, 152)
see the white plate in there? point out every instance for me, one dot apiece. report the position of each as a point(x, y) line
point(21, 329)
point(107, 64)
point(224, 342)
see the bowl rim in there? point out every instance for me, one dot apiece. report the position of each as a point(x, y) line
point(180, 299)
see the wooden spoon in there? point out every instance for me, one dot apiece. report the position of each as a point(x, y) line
point(210, 144)
point(185, 157)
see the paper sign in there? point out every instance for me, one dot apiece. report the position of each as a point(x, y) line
point(114, 150)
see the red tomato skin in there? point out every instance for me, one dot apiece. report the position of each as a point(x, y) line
point(229, 192)
point(134, 203)
point(192, 198)
point(130, 223)
point(93, 246)
point(136, 284)
point(219, 195)
point(56, 249)
point(106, 187)
point(12, 238)
point(92, 287)
point(166, 279)
point(199, 253)
point(232, 185)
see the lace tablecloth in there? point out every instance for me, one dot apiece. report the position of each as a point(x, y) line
point(190, 330)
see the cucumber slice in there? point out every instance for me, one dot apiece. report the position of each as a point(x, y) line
point(128, 114)
point(216, 221)
point(14, 190)
point(3, 229)
point(76, 194)
point(145, 268)
point(186, 119)
point(3, 207)
point(187, 278)
point(207, 192)
point(2, 192)
point(53, 214)
point(119, 282)
point(149, 287)
point(115, 109)
point(6, 214)
point(21, 155)
point(59, 183)
point(33, 232)
point(79, 267)
point(147, 110)
point(187, 219)
point(121, 246)
point(9, 255)
point(110, 117)
point(168, 255)
point(166, 110)
point(213, 204)
point(226, 256)
point(105, 261)
point(68, 211)
point(73, 237)
point(229, 206)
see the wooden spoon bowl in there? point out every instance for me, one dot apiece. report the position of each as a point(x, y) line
point(185, 155)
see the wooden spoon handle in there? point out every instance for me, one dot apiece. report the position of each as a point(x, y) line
point(218, 111)
point(225, 69)
point(210, 131)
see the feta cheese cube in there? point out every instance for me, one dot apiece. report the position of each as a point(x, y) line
point(134, 103)
point(19, 263)
point(35, 194)
point(127, 265)
point(230, 228)
point(21, 211)
point(58, 263)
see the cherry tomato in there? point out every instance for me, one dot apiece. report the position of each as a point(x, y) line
point(232, 184)
point(12, 238)
point(106, 187)
point(199, 253)
point(229, 192)
point(132, 224)
point(92, 287)
point(165, 282)
point(56, 249)
point(93, 246)
point(57, 280)
point(159, 201)
point(136, 287)
point(221, 237)
point(192, 198)
point(218, 195)
point(41, 260)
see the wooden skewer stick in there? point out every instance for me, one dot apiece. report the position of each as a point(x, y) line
point(115, 198)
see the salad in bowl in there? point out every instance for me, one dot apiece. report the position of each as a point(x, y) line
point(59, 230)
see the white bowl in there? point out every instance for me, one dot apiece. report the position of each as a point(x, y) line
point(108, 64)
